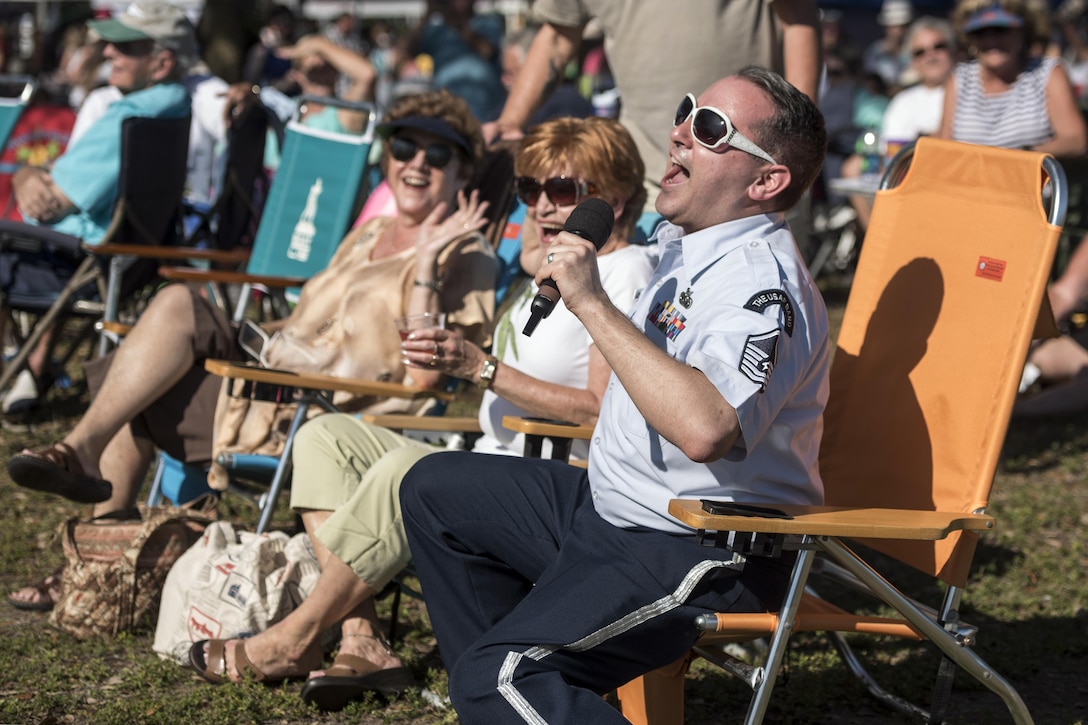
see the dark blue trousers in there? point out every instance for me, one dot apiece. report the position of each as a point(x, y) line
point(538, 604)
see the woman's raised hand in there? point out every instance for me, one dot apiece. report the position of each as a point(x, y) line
point(436, 232)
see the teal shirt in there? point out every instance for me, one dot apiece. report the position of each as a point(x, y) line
point(88, 171)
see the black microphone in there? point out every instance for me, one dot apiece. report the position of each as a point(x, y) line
point(592, 220)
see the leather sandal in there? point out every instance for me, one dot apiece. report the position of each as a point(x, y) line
point(214, 667)
point(57, 470)
point(48, 589)
point(350, 678)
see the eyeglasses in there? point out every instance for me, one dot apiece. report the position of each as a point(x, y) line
point(134, 48)
point(712, 128)
point(935, 48)
point(404, 149)
point(562, 191)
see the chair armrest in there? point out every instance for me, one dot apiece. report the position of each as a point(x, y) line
point(329, 383)
point(117, 328)
point(191, 274)
point(435, 423)
point(547, 428)
point(560, 433)
point(839, 521)
point(30, 237)
point(148, 251)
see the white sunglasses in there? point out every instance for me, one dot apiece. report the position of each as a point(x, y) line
point(712, 128)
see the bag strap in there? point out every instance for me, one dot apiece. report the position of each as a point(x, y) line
point(156, 519)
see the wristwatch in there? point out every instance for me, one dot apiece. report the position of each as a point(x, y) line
point(487, 372)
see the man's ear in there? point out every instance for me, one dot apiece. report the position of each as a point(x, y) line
point(771, 182)
point(163, 65)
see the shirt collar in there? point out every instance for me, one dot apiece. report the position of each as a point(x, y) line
point(703, 248)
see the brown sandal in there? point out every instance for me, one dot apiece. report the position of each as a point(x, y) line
point(57, 470)
point(48, 589)
point(213, 668)
point(350, 678)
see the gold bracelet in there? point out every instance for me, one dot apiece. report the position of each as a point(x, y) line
point(434, 284)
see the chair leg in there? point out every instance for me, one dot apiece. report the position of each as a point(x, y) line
point(283, 468)
point(656, 698)
point(85, 273)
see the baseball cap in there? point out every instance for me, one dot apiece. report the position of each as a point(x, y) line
point(993, 16)
point(895, 12)
point(150, 20)
point(434, 126)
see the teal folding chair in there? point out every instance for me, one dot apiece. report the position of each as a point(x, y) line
point(319, 187)
point(17, 92)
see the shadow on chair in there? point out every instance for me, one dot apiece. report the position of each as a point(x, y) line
point(949, 292)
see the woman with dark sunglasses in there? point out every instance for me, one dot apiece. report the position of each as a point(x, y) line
point(916, 110)
point(349, 497)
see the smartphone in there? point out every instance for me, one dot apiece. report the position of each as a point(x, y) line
point(252, 339)
point(729, 508)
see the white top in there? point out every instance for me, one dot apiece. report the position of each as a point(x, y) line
point(756, 326)
point(913, 112)
point(558, 350)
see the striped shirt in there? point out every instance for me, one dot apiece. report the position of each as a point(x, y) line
point(1016, 118)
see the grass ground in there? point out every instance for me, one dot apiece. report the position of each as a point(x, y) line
point(1029, 595)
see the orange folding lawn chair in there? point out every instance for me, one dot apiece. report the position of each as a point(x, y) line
point(949, 293)
point(950, 290)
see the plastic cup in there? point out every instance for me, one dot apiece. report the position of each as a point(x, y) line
point(427, 320)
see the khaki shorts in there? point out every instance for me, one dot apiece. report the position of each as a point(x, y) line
point(180, 422)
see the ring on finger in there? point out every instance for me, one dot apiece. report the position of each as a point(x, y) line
point(551, 256)
point(434, 359)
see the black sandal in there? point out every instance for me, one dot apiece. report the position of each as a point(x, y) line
point(56, 470)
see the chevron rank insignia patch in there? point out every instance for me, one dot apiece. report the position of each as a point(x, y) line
point(758, 358)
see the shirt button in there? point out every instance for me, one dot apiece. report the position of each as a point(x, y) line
point(753, 245)
point(597, 441)
point(595, 496)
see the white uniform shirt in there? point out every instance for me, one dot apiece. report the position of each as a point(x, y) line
point(558, 350)
point(736, 302)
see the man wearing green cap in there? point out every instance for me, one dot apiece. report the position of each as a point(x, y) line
point(148, 46)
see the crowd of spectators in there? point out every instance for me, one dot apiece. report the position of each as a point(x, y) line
point(996, 72)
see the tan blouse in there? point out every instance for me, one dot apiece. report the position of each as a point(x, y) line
point(343, 323)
